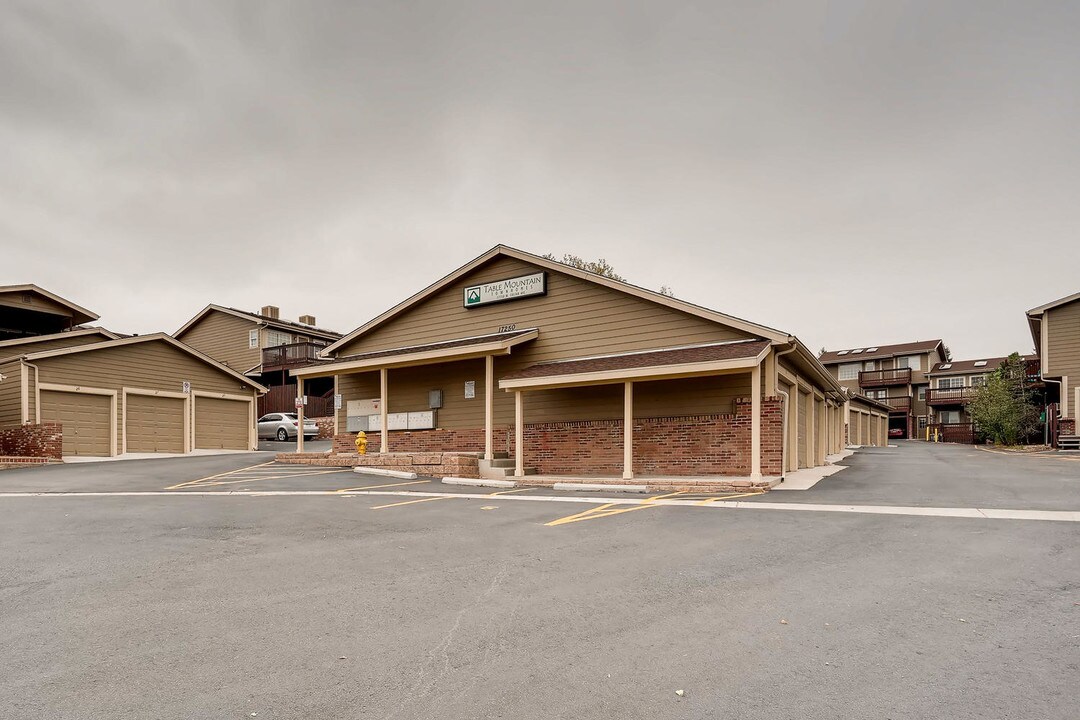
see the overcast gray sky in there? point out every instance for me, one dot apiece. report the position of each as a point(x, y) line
point(850, 172)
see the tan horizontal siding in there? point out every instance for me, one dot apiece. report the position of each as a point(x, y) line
point(153, 365)
point(29, 300)
point(11, 394)
point(1063, 343)
point(576, 318)
point(224, 337)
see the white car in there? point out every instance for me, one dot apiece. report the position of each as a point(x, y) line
point(283, 426)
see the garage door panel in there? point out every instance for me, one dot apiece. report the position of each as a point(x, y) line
point(154, 424)
point(222, 424)
point(804, 402)
point(86, 421)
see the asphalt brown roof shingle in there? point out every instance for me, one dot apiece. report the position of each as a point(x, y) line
point(880, 351)
point(744, 349)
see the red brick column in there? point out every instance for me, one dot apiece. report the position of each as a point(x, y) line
point(33, 440)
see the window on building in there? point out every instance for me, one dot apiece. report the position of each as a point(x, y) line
point(922, 422)
point(253, 338)
point(868, 365)
point(978, 381)
point(849, 371)
point(922, 392)
point(950, 382)
point(949, 417)
point(909, 361)
point(275, 338)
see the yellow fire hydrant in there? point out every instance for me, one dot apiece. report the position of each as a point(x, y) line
point(361, 443)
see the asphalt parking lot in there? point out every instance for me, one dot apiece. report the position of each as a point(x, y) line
point(215, 587)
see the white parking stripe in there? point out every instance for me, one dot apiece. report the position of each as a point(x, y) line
point(967, 513)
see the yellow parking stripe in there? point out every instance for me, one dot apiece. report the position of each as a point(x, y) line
point(507, 492)
point(211, 477)
point(711, 500)
point(373, 487)
point(410, 502)
point(602, 510)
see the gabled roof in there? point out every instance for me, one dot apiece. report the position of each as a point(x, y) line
point(506, 251)
point(967, 367)
point(77, 332)
point(79, 314)
point(871, 352)
point(134, 340)
point(260, 319)
point(1056, 303)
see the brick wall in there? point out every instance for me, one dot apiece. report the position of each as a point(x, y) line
point(44, 440)
point(694, 445)
point(1067, 426)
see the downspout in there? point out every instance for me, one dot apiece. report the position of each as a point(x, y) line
point(783, 420)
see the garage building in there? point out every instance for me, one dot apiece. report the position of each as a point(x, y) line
point(89, 392)
point(541, 367)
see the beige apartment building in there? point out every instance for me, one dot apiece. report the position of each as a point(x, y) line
point(537, 366)
point(896, 375)
point(1055, 330)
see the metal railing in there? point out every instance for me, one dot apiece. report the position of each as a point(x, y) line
point(949, 396)
point(303, 353)
point(884, 378)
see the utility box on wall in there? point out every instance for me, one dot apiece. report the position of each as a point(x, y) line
point(434, 399)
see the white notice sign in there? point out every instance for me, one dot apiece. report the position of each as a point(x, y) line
point(470, 389)
point(509, 289)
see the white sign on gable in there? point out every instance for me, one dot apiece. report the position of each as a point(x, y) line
point(503, 290)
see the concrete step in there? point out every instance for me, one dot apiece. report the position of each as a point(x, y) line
point(499, 462)
point(1069, 442)
point(508, 472)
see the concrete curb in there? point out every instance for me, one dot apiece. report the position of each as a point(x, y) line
point(600, 487)
point(385, 473)
point(479, 483)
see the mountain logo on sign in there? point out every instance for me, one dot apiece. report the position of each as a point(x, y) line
point(472, 295)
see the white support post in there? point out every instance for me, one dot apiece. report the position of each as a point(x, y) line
point(755, 423)
point(519, 435)
point(628, 432)
point(300, 415)
point(383, 419)
point(489, 406)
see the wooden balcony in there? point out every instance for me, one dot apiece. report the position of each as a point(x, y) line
point(1033, 371)
point(884, 378)
point(294, 355)
point(897, 404)
point(948, 396)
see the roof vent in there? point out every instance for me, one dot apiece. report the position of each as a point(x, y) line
point(946, 366)
point(307, 319)
point(856, 352)
point(871, 349)
point(842, 352)
point(270, 311)
point(980, 363)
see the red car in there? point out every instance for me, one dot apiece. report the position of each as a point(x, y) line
point(896, 432)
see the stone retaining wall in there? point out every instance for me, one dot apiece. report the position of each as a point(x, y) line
point(437, 464)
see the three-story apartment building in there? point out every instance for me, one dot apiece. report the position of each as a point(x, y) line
point(892, 374)
point(264, 347)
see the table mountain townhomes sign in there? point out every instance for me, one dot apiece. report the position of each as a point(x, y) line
point(514, 288)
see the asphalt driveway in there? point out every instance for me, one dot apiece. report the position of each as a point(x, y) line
point(946, 475)
point(392, 604)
